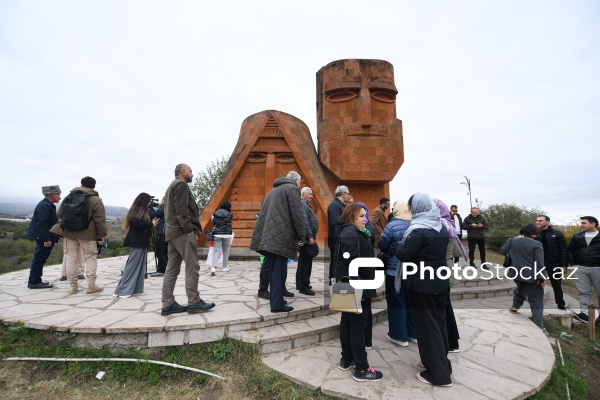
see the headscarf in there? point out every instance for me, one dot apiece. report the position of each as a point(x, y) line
point(449, 224)
point(366, 210)
point(401, 210)
point(446, 219)
point(425, 214)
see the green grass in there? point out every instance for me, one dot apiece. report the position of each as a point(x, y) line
point(240, 363)
point(563, 375)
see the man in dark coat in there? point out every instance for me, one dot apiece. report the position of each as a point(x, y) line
point(44, 217)
point(335, 209)
point(305, 259)
point(584, 257)
point(279, 228)
point(556, 257)
point(160, 243)
point(475, 225)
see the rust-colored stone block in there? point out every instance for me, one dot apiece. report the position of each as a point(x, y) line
point(359, 139)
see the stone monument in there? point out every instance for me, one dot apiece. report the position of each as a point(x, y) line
point(359, 140)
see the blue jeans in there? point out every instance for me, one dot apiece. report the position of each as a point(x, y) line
point(400, 320)
point(39, 259)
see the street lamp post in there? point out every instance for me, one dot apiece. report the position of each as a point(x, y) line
point(468, 185)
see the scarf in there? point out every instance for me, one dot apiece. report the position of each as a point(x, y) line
point(365, 232)
point(446, 218)
point(401, 210)
point(425, 214)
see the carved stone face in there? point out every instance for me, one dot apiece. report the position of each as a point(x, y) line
point(360, 138)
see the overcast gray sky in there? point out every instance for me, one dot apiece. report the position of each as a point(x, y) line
point(504, 92)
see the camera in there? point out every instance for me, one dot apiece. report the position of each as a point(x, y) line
point(153, 202)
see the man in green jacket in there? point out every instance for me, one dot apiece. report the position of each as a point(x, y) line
point(182, 224)
point(87, 238)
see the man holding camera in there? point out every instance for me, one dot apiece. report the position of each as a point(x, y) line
point(160, 244)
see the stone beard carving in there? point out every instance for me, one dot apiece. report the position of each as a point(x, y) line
point(360, 138)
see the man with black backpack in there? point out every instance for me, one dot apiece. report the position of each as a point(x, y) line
point(83, 225)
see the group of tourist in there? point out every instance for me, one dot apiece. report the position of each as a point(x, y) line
point(421, 230)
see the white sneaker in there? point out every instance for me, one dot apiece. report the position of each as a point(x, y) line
point(412, 339)
point(125, 297)
point(226, 269)
point(398, 342)
point(213, 271)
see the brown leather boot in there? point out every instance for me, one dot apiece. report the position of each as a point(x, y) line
point(73, 288)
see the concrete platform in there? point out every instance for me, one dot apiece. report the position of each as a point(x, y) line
point(502, 355)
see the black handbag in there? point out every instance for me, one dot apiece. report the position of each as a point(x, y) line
point(210, 236)
point(507, 260)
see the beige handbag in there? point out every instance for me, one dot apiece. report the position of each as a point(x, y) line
point(345, 298)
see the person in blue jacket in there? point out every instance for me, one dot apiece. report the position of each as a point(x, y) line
point(44, 217)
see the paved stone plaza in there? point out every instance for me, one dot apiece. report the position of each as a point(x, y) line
point(502, 356)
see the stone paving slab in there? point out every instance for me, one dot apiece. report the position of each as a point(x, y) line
point(511, 361)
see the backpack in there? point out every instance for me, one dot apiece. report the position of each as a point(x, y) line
point(75, 212)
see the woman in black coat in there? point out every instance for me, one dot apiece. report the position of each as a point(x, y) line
point(354, 241)
point(426, 241)
point(139, 226)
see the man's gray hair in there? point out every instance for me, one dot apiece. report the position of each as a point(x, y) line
point(305, 190)
point(341, 189)
point(293, 175)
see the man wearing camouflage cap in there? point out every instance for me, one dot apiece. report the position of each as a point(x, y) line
point(44, 217)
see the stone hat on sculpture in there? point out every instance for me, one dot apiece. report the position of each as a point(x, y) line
point(48, 190)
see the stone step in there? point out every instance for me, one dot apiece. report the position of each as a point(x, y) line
point(478, 292)
point(277, 332)
point(300, 333)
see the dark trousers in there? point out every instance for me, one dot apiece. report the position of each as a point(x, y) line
point(277, 276)
point(430, 321)
point(161, 253)
point(481, 244)
point(366, 307)
point(39, 259)
point(352, 338)
point(556, 285)
point(263, 285)
point(304, 270)
point(451, 326)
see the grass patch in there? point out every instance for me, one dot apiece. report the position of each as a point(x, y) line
point(563, 375)
point(240, 363)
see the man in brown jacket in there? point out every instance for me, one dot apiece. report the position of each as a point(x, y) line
point(182, 224)
point(86, 239)
point(378, 218)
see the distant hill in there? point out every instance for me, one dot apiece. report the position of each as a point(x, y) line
point(27, 207)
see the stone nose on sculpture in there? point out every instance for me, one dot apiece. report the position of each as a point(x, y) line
point(364, 107)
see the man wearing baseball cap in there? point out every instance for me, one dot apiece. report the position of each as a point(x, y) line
point(44, 217)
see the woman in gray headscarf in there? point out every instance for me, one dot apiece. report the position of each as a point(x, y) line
point(425, 241)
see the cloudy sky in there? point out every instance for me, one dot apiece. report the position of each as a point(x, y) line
point(503, 92)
